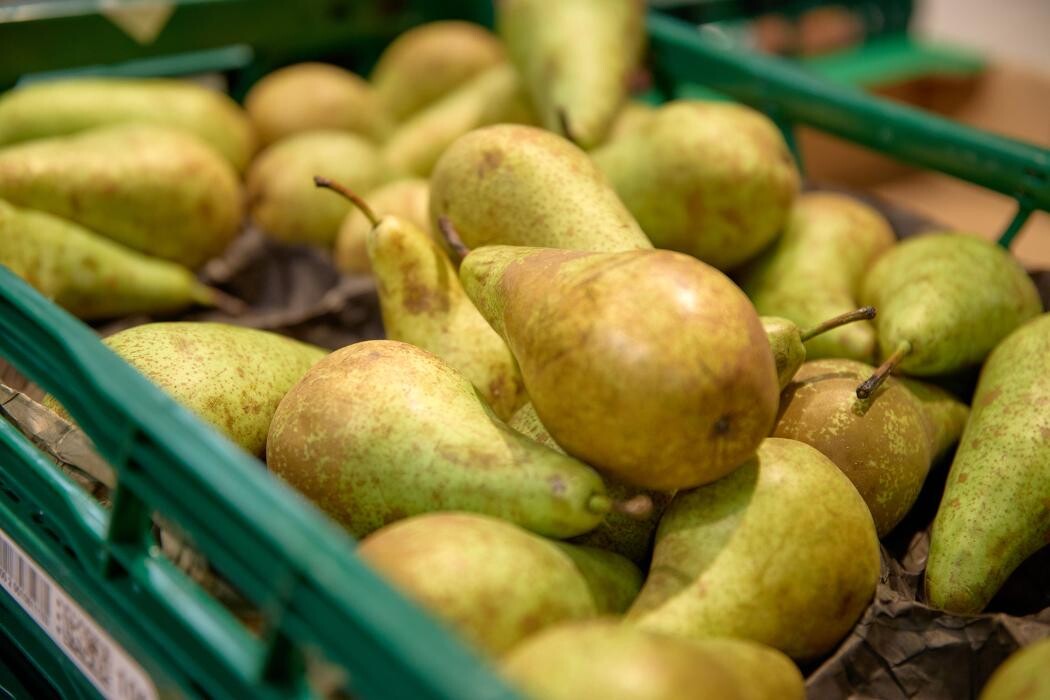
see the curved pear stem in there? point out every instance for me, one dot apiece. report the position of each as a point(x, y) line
point(563, 123)
point(354, 198)
point(865, 313)
point(885, 369)
point(638, 507)
point(452, 239)
point(227, 303)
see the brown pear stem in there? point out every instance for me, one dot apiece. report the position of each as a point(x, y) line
point(885, 369)
point(563, 123)
point(349, 194)
point(865, 313)
point(638, 507)
point(227, 303)
point(451, 236)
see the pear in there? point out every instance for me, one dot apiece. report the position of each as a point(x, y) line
point(1022, 676)
point(491, 581)
point(62, 107)
point(382, 430)
point(423, 303)
point(155, 189)
point(612, 580)
point(282, 198)
point(815, 268)
point(407, 198)
point(634, 116)
point(647, 364)
point(712, 179)
point(576, 57)
point(492, 97)
point(945, 300)
point(946, 415)
point(788, 340)
point(429, 61)
point(629, 531)
point(883, 443)
point(519, 185)
point(750, 556)
point(310, 97)
point(995, 511)
point(603, 659)
point(232, 377)
point(88, 275)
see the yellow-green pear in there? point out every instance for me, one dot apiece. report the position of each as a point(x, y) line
point(634, 116)
point(519, 185)
point(647, 364)
point(282, 198)
point(381, 430)
point(492, 97)
point(788, 340)
point(429, 61)
point(946, 415)
point(576, 57)
point(1023, 676)
point(155, 189)
point(230, 376)
point(407, 198)
point(61, 107)
point(313, 96)
point(88, 275)
point(601, 658)
point(712, 179)
point(783, 552)
point(815, 268)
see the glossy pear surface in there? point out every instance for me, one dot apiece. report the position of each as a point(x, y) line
point(815, 268)
point(712, 179)
point(381, 430)
point(995, 511)
point(155, 189)
point(519, 185)
point(782, 551)
point(649, 365)
point(408, 199)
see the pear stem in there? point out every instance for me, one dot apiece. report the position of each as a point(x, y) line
point(885, 369)
point(451, 236)
point(865, 313)
point(638, 507)
point(599, 503)
point(563, 123)
point(349, 194)
point(227, 303)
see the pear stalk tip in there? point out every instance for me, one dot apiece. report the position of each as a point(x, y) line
point(563, 124)
point(227, 303)
point(873, 382)
point(865, 313)
point(638, 507)
point(599, 503)
point(452, 240)
point(354, 198)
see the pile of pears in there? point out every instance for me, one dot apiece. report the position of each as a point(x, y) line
point(643, 410)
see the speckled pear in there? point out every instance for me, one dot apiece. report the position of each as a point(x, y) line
point(407, 198)
point(604, 659)
point(815, 268)
point(712, 179)
point(381, 430)
point(788, 340)
point(519, 185)
point(946, 415)
point(751, 557)
point(1022, 676)
point(995, 511)
point(61, 107)
point(155, 189)
point(649, 365)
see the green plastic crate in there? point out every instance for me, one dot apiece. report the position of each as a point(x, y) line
point(316, 597)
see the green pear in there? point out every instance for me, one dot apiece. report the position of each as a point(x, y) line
point(712, 179)
point(519, 185)
point(788, 340)
point(612, 580)
point(946, 415)
point(312, 97)
point(407, 198)
point(1023, 676)
point(881, 443)
point(155, 189)
point(423, 303)
point(815, 268)
point(647, 364)
point(62, 107)
point(603, 659)
point(381, 430)
point(945, 300)
point(576, 58)
point(492, 97)
point(230, 376)
point(88, 275)
point(995, 511)
point(427, 62)
point(629, 534)
point(750, 556)
point(489, 580)
point(282, 198)
point(634, 116)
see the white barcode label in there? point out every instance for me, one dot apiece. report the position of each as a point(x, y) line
point(109, 668)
